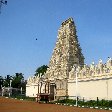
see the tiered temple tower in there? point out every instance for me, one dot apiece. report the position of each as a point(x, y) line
point(60, 78)
point(66, 53)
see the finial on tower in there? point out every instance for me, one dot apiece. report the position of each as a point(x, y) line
point(69, 20)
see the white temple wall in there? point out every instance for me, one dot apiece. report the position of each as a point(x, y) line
point(31, 90)
point(91, 89)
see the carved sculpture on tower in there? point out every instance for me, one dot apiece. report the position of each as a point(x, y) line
point(66, 53)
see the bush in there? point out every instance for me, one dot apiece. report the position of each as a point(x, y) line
point(100, 103)
point(23, 97)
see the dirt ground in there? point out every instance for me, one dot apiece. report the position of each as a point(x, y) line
point(14, 105)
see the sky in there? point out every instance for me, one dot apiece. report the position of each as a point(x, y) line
point(22, 21)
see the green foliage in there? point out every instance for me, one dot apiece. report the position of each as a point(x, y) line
point(6, 81)
point(41, 70)
point(17, 81)
point(23, 97)
point(91, 103)
point(1, 81)
point(68, 101)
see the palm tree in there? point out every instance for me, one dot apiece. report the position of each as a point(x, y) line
point(41, 70)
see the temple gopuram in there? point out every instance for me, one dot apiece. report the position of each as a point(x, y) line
point(67, 62)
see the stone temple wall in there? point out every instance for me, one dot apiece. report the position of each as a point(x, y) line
point(91, 71)
point(93, 81)
point(91, 89)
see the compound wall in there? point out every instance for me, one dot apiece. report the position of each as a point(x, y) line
point(91, 89)
point(31, 90)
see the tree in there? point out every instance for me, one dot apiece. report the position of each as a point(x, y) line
point(1, 81)
point(6, 80)
point(17, 80)
point(41, 70)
